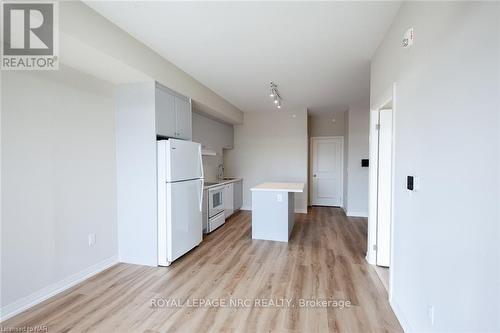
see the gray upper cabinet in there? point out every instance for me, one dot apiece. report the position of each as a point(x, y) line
point(165, 112)
point(183, 118)
point(173, 114)
point(228, 137)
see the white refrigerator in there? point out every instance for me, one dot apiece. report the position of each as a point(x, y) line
point(180, 195)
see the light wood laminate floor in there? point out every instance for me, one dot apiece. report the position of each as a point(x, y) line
point(324, 260)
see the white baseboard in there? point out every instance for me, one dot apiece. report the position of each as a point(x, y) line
point(27, 302)
point(400, 316)
point(300, 211)
point(357, 214)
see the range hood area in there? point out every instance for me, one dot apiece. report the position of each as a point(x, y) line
point(208, 152)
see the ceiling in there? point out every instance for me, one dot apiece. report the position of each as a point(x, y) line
point(317, 52)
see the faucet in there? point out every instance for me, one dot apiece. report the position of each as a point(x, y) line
point(220, 172)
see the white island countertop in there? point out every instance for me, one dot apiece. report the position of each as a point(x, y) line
point(280, 187)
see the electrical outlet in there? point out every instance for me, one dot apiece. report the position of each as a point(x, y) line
point(431, 314)
point(91, 238)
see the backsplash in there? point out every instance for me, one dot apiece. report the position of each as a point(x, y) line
point(213, 135)
point(210, 166)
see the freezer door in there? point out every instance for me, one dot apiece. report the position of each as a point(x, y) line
point(184, 217)
point(182, 160)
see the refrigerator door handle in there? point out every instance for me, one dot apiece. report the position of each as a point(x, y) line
point(201, 162)
point(201, 195)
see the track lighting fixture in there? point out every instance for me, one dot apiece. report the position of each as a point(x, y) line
point(272, 94)
point(275, 94)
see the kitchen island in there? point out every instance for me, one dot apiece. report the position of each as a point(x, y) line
point(273, 208)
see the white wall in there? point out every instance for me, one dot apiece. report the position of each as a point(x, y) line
point(357, 176)
point(332, 124)
point(58, 181)
point(270, 147)
point(446, 236)
point(85, 44)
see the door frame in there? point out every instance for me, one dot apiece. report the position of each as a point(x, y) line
point(311, 145)
point(385, 193)
point(388, 96)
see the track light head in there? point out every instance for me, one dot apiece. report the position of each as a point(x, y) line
point(275, 94)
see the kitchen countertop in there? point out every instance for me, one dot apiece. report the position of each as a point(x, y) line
point(280, 187)
point(221, 182)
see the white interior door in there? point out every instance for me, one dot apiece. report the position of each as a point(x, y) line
point(184, 213)
point(327, 155)
point(384, 202)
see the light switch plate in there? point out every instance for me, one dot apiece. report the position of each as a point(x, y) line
point(279, 197)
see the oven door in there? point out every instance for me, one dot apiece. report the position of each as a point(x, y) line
point(215, 201)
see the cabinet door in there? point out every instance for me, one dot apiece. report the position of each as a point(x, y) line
point(183, 118)
point(228, 137)
point(228, 200)
point(165, 112)
point(238, 195)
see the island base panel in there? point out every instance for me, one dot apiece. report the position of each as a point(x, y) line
point(272, 215)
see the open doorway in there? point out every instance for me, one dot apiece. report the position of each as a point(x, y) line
point(380, 222)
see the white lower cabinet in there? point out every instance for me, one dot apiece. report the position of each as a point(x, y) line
point(233, 197)
point(237, 195)
point(228, 200)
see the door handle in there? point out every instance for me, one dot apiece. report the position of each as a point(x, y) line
point(201, 163)
point(201, 195)
point(314, 175)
